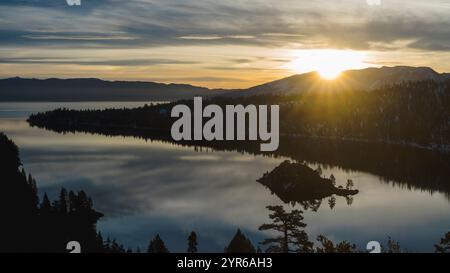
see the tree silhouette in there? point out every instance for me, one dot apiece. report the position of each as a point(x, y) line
point(333, 179)
point(301, 242)
point(332, 202)
point(34, 191)
point(116, 247)
point(444, 245)
point(349, 184)
point(157, 245)
point(45, 207)
point(393, 247)
point(53, 225)
point(327, 246)
point(240, 244)
point(73, 202)
point(63, 201)
point(192, 243)
point(292, 237)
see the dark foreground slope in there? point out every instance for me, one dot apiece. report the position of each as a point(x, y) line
point(28, 225)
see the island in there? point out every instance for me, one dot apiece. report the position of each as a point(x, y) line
point(296, 182)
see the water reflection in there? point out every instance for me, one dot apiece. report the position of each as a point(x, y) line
point(149, 187)
point(402, 166)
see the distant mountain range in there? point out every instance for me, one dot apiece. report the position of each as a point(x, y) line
point(20, 89)
point(355, 80)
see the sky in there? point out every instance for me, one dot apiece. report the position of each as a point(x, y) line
point(218, 44)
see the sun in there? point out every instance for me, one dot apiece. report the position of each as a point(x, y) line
point(330, 73)
point(328, 63)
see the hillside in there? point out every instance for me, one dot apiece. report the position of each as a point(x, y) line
point(350, 80)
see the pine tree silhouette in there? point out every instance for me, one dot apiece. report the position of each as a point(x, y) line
point(157, 245)
point(192, 243)
point(444, 244)
point(292, 236)
point(240, 244)
point(53, 225)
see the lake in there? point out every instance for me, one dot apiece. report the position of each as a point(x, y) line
point(146, 187)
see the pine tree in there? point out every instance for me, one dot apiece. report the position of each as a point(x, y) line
point(332, 202)
point(319, 170)
point(116, 248)
point(63, 201)
point(34, 193)
point(100, 242)
point(73, 202)
point(290, 225)
point(107, 245)
point(333, 179)
point(349, 185)
point(85, 203)
point(393, 246)
point(301, 242)
point(444, 245)
point(240, 244)
point(192, 243)
point(157, 245)
point(327, 246)
point(45, 207)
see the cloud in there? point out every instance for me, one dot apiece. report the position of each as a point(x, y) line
point(434, 45)
point(241, 61)
point(197, 37)
point(122, 62)
point(76, 36)
point(157, 23)
point(55, 3)
point(218, 30)
point(200, 79)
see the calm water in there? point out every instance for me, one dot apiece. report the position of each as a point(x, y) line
point(146, 187)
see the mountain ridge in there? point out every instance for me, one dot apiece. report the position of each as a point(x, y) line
point(366, 79)
point(94, 89)
point(85, 89)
